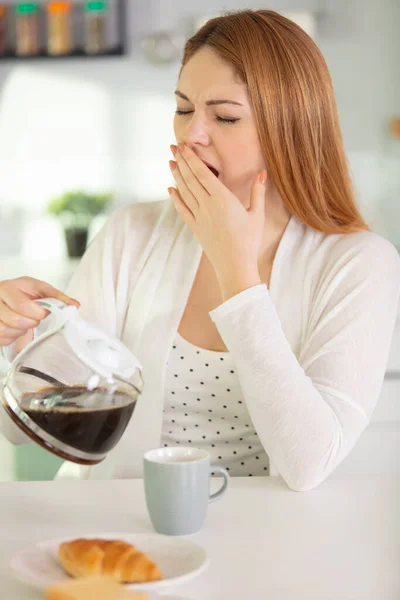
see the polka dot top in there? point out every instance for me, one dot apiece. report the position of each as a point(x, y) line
point(204, 407)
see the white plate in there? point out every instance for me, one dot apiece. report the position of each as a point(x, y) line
point(178, 558)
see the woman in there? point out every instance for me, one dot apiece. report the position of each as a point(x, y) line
point(258, 302)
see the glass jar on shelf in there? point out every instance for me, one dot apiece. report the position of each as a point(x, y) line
point(3, 29)
point(27, 29)
point(95, 27)
point(59, 28)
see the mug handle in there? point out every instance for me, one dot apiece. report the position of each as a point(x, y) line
point(224, 487)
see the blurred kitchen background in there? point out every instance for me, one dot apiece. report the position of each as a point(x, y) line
point(86, 124)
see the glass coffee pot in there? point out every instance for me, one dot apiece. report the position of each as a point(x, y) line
point(73, 389)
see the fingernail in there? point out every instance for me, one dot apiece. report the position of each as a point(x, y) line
point(262, 178)
point(173, 149)
point(172, 165)
point(171, 191)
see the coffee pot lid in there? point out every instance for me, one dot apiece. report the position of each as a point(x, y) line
point(103, 354)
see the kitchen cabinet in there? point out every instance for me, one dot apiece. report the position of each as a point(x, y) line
point(36, 30)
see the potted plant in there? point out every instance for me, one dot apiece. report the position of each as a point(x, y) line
point(76, 210)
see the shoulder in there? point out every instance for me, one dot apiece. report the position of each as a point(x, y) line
point(358, 265)
point(132, 226)
point(365, 253)
point(347, 276)
point(137, 216)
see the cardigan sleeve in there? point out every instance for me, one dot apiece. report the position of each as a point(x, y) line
point(106, 275)
point(95, 281)
point(309, 410)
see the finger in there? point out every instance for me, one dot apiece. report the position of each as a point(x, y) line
point(185, 193)
point(20, 303)
point(208, 180)
point(257, 195)
point(190, 179)
point(181, 207)
point(4, 342)
point(46, 290)
point(9, 332)
point(15, 320)
point(22, 341)
point(20, 296)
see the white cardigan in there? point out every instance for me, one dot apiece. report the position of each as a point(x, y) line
point(310, 351)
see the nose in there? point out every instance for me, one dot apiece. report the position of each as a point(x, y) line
point(195, 133)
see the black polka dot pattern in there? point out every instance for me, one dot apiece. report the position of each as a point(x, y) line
point(204, 407)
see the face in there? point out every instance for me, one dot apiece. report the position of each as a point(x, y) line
point(215, 119)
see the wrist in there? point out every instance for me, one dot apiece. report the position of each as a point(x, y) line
point(232, 284)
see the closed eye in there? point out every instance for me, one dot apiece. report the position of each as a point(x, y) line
point(219, 119)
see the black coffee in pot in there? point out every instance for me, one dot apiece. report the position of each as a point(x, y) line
point(62, 413)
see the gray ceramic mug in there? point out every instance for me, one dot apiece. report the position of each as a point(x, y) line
point(177, 488)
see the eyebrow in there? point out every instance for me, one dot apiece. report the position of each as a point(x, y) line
point(209, 102)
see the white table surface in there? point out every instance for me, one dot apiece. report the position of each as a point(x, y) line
point(340, 541)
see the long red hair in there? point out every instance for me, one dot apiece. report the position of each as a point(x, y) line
point(294, 104)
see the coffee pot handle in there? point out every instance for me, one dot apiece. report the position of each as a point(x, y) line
point(59, 313)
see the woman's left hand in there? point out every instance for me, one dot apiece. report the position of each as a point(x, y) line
point(230, 234)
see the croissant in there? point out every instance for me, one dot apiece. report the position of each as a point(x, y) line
point(120, 560)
